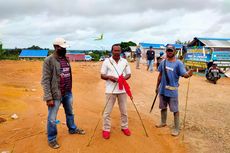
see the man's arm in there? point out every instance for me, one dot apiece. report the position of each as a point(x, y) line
point(46, 78)
point(107, 77)
point(188, 74)
point(127, 76)
point(158, 81)
point(221, 71)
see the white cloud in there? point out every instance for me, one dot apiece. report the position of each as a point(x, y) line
point(25, 23)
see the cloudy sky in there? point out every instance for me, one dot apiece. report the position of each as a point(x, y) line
point(24, 23)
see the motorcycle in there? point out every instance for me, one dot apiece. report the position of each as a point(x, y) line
point(213, 75)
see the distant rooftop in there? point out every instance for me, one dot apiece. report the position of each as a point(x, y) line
point(156, 46)
point(211, 42)
point(33, 53)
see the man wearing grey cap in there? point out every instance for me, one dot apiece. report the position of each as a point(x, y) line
point(57, 87)
point(167, 86)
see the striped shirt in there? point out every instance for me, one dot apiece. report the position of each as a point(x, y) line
point(65, 76)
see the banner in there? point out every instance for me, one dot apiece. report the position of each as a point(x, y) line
point(222, 63)
point(221, 56)
point(199, 50)
point(196, 64)
point(197, 57)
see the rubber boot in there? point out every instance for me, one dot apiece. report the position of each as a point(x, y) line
point(176, 130)
point(163, 119)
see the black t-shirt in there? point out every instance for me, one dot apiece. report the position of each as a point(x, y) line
point(150, 55)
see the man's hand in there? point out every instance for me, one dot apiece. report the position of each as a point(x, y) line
point(112, 78)
point(50, 103)
point(190, 72)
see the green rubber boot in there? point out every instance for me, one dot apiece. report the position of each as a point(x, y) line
point(163, 119)
point(176, 130)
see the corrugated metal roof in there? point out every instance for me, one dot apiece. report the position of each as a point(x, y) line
point(223, 39)
point(147, 45)
point(215, 42)
point(33, 53)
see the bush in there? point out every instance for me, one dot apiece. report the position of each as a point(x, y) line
point(95, 56)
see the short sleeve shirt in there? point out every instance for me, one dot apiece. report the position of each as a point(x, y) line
point(150, 55)
point(111, 68)
point(174, 71)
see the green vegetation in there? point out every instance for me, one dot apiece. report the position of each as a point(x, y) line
point(125, 46)
point(97, 54)
point(9, 54)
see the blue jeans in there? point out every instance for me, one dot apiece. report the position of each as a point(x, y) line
point(67, 101)
point(150, 65)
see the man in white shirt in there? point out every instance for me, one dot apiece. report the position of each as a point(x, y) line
point(111, 69)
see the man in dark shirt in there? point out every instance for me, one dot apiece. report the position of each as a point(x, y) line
point(57, 86)
point(150, 58)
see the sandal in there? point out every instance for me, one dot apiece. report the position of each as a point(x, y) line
point(77, 131)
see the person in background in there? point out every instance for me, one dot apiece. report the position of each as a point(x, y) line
point(159, 59)
point(150, 58)
point(138, 57)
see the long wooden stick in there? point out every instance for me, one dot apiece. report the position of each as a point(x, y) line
point(186, 106)
point(139, 117)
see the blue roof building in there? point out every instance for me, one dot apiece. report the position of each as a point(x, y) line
point(203, 50)
point(155, 46)
point(33, 53)
point(210, 42)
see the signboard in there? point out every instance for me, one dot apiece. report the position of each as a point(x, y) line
point(222, 63)
point(199, 50)
point(196, 64)
point(197, 57)
point(221, 56)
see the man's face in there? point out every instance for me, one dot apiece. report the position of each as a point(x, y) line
point(60, 51)
point(170, 53)
point(116, 51)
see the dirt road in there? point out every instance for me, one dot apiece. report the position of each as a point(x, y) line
point(208, 116)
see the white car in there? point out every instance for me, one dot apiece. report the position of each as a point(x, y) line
point(88, 58)
point(102, 58)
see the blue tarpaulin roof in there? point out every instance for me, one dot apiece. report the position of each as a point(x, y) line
point(33, 53)
point(147, 45)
